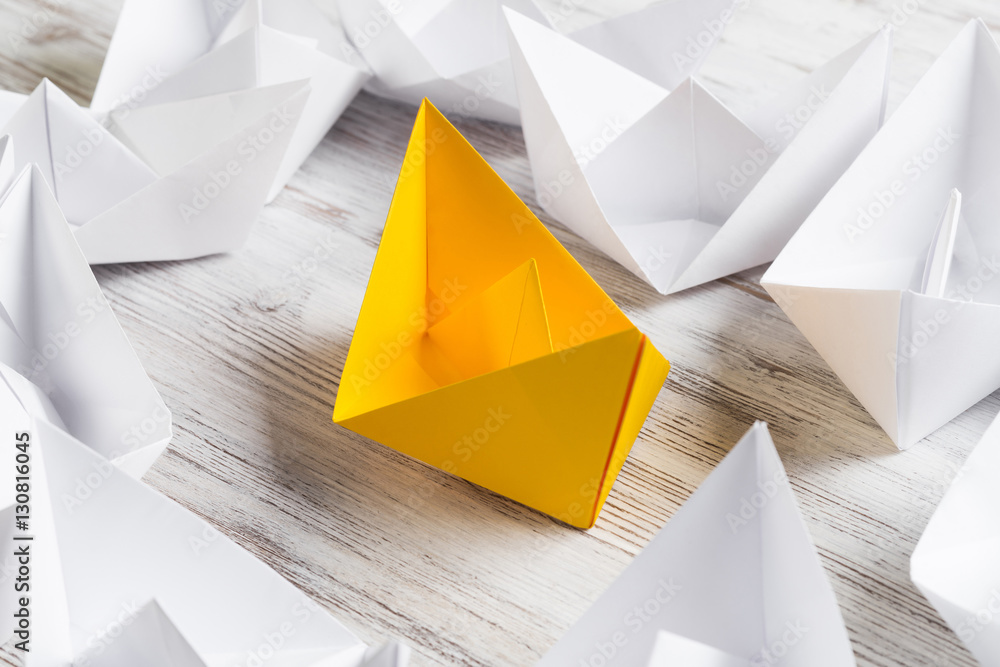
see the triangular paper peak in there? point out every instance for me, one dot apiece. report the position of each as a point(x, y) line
point(665, 42)
point(88, 169)
point(503, 326)
point(942, 249)
point(463, 260)
point(454, 221)
point(572, 77)
point(146, 47)
point(148, 638)
point(713, 574)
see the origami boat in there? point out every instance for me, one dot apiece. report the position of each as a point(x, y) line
point(483, 348)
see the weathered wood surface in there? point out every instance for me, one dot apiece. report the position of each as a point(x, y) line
point(247, 350)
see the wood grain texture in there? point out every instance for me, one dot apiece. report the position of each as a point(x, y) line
point(247, 350)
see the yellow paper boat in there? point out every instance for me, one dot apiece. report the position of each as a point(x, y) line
point(484, 349)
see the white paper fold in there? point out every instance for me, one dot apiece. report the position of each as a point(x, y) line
point(183, 50)
point(455, 52)
point(667, 181)
point(122, 576)
point(58, 331)
point(854, 278)
point(733, 580)
point(219, 155)
point(957, 562)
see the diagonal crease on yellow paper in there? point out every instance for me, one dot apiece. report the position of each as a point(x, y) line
point(483, 348)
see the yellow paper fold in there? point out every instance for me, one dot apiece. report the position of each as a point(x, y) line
point(485, 349)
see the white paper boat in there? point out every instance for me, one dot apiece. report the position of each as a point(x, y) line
point(167, 52)
point(669, 182)
point(893, 278)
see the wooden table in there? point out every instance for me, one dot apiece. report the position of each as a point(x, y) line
point(247, 350)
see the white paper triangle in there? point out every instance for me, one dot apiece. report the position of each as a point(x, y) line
point(149, 638)
point(86, 167)
point(65, 338)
